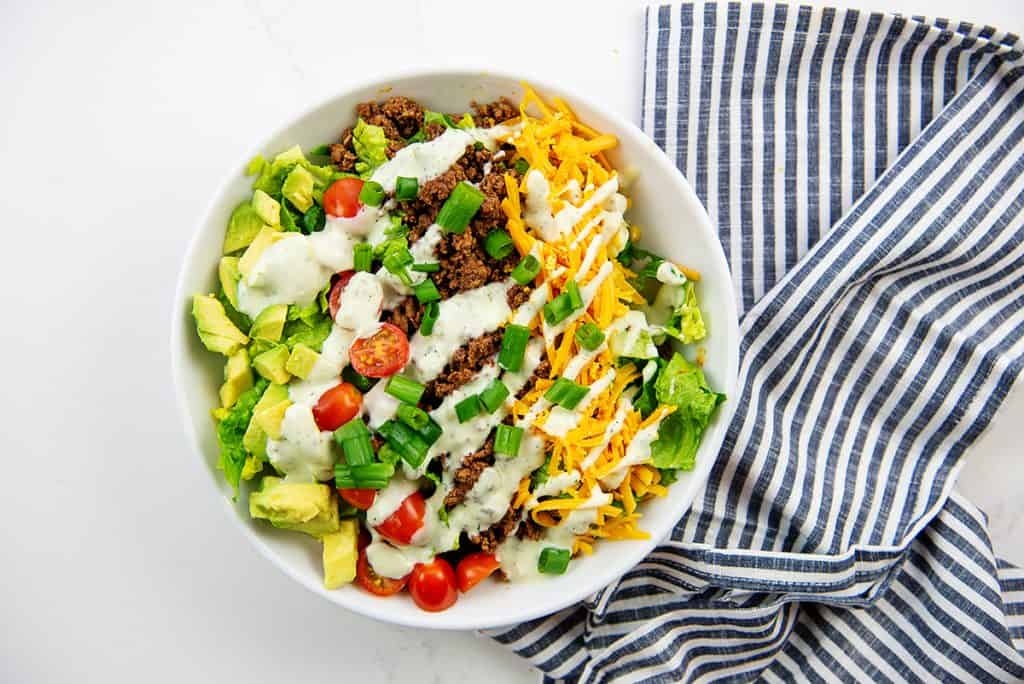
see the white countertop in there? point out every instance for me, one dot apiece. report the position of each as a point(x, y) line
point(116, 123)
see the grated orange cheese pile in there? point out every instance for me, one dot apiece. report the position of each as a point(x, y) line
point(570, 155)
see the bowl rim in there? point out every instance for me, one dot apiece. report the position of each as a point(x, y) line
point(638, 550)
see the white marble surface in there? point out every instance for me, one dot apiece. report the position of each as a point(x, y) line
point(117, 118)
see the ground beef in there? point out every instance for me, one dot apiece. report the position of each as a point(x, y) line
point(517, 296)
point(468, 473)
point(433, 130)
point(405, 114)
point(342, 153)
point(528, 529)
point(406, 316)
point(493, 113)
point(493, 536)
point(466, 362)
point(543, 370)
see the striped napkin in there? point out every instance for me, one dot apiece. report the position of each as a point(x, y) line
point(866, 173)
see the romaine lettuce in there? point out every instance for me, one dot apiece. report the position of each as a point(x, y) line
point(370, 145)
point(686, 323)
point(683, 385)
point(231, 430)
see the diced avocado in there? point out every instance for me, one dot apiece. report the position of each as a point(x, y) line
point(267, 207)
point(229, 277)
point(301, 361)
point(269, 419)
point(270, 364)
point(301, 506)
point(340, 554)
point(255, 439)
point(269, 324)
point(237, 378)
point(298, 188)
point(215, 329)
point(243, 226)
point(219, 414)
point(292, 155)
point(255, 165)
point(266, 237)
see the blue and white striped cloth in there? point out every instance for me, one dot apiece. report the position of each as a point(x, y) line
point(866, 172)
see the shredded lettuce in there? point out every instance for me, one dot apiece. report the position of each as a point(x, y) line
point(311, 335)
point(647, 400)
point(686, 323)
point(231, 430)
point(370, 145)
point(683, 385)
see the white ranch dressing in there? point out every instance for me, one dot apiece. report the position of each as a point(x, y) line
point(553, 227)
point(613, 224)
point(560, 420)
point(638, 451)
point(427, 160)
point(360, 304)
point(389, 499)
point(670, 275)
point(556, 484)
point(327, 369)
point(303, 453)
point(379, 406)
point(395, 561)
point(525, 314)
point(461, 318)
point(572, 369)
point(622, 410)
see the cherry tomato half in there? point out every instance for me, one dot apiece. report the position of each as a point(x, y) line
point(401, 525)
point(474, 569)
point(360, 498)
point(432, 585)
point(334, 296)
point(342, 198)
point(374, 583)
point(337, 406)
point(383, 353)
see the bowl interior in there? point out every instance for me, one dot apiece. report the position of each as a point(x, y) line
point(674, 224)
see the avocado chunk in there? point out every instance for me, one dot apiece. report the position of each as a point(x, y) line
point(254, 440)
point(340, 554)
point(269, 324)
point(215, 329)
point(269, 419)
point(270, 364)
point(293, 155)
point(229, 276)
point(266, 237)
point(298, 188)
point(237, 378)
point(301, 506)
point(301, 361)
point(243, 226)
point(268, 208)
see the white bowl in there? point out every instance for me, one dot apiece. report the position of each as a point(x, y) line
point(675, 225)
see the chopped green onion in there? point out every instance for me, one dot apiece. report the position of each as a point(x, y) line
point(414, 417)
point(372, 194)
point(468, 408)
point(361, 382)
point(589, 336)
point(426, 292)
point(513, 347)
point(406, 188)
point(404, 389)
point(431, 267)
point(573, 290)
point(410, 445)
point(431, 312)
point(566, 393)
point(395, 262)
point(431, 432)
point(553, 560)
point(343, 476)
point(397, 229)
point(385, 246)
point(499, 244)
point(527, 270)
point(558, 309)
point(354, 439)
point(362, 257)
point(372, 475)
point(494, 396)
point(507, 440)
point(460, 207)
point(522, 166)
point(387, 454)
